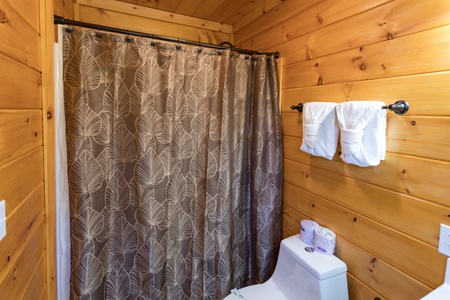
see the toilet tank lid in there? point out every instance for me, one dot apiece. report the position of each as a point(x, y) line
point(320, 265)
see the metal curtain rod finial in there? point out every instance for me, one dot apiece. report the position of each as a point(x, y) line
point(400, 107)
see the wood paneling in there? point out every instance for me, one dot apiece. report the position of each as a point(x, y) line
point(27, 11)
point(390, 282)
point(19, 40)
point(20, 131)
point(145, 24)
point(402, 56)
point(400, 173)
point(220, 11)
point(37, 284)
point(386, 217)
point(21, 270)
point(63, 8)
point(23, 251)
point(427, 94)
point(48, 93)
point(19, 178)
point(16, 92)
point(22, 225)
point(156, 15)
point(385, 22)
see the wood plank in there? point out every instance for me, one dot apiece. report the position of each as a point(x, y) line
point(388, 21)
point(19, 273)
point(358, 290)
point(251, 11)
point(129, 1)
point(168, 5)
point(292, 124)
point(399, 173)
point(43, 296)
point(291, 218)
point(294, 19)
point(141, 24)
point(76, 11)
point(207, 8)
point(285, 233)
point(16, 92)
point(426, 94)
point(37, 284)
point(19, 40)
point(20, 132)
point(28, 10)
point(20, 177)
point(148, 3)
point(47, 48)
point(411, 256)
point(187, 8)
point(423, 52)
point(377, 274)
point(226, 10)
point(402, 212)
point(68, 9)
point(155, 14)
point(21, 226)
point(421, 136)
point(58, 7)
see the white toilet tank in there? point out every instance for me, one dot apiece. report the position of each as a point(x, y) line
point(300, 274)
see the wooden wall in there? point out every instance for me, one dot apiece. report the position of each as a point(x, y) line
point(386, 217)
point(138, 18)
point(63, 8)
point(25, 271)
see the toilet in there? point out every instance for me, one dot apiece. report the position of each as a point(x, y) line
point(443, 291)
point(300, 273)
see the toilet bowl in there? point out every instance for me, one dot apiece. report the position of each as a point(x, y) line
point(300, 274)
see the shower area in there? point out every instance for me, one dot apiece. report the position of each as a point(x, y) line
point(171, 167)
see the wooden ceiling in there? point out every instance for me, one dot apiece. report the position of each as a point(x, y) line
point(222, 11)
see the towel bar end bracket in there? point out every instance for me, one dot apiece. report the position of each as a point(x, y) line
point(400, 107)
point(298, 107)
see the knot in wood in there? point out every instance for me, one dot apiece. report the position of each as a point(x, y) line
point(319, 19)
point(3, 17)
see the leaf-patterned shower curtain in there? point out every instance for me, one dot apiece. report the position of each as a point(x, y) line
point(175, 166)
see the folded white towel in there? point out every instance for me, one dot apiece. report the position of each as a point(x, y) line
point(363, 132)
point(320, 129)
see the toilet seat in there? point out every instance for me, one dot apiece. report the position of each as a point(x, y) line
point(265, 291)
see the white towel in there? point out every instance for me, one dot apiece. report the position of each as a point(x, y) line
point(363, 132)
point(320, 129)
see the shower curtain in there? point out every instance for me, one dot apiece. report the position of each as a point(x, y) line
point(175, 168)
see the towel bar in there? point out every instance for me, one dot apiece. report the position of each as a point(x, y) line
point(400, 107)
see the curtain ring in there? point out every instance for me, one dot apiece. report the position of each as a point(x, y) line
point(128, 39)
point(98, 34)
point(69, 29)
point(219, 52)
point(178, 46)
point(153, 43)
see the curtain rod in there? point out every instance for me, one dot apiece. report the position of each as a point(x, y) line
point(63, 21)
